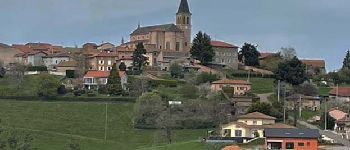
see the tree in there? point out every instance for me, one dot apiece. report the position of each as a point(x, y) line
point(346, 62)
point(189, 91)
point(139, 59)
point(48, 86)
point(122, 66)
point(176, 70)
point(148, 108)
point(206, 77)
point(307, 89)
point(18, 71)
point(202, 49)
point(263, 107)
point(330, 121)
point(114, 86)
point(82, 63)
point(249, 55)
point(292, 71)
point(288, 53)
point(2, 72)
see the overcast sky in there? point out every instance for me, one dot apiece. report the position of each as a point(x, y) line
point(315, 28)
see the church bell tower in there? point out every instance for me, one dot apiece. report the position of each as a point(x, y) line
point(184, 22)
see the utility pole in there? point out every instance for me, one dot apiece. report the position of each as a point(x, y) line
point(325, 115)
point(284, 104)
point(248, 76)
point(278, 91)
point(300, 106)
point(106, 121)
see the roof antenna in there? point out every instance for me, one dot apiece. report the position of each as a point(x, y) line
point(139, 25)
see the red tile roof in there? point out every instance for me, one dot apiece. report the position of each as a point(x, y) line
point(342, 91)
point(222, 44)
point(337, 114)
point(256, 115)
point(227, 81)
point(97, 74)
point(315, 63)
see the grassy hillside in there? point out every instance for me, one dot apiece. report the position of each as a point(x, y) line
point(56, 125)
point(260, 85)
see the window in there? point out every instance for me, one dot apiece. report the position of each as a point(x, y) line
point(109, 62)
point(289, 145)
point(101, 68)
point(188, 20)
point(160, 47)
point(308, 144)
point(167, 45)
point(222, 60)
point(177, 46)
point(109, 68)
point(185, 43)
point(301, 144)
point(255, 122)
point(238, 133)
point(101, 62)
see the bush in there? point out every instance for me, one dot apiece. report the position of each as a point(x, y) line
point(37, 68)
point(62, 90)
point(206, 77)
point(70, 73)
point(197, 124)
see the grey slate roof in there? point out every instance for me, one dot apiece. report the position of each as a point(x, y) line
point(292, 133)
point(164, 27)
point(184, 8)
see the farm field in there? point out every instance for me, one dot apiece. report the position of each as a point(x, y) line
point(55, 125)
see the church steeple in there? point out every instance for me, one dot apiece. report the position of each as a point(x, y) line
point(184, 22)
point(183, 8)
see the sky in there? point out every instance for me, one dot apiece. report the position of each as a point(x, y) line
point(317, 29)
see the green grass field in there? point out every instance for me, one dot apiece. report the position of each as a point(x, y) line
point(55, 125)
point(260, 85)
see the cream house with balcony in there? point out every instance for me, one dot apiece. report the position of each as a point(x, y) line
point(239, 87)
point(250, 126)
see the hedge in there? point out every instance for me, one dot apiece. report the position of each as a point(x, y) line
point(71, 99)
point(252, 74)
point(37, 68)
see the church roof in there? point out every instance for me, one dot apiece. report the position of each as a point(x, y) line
point(164, 27)
point(184, 8)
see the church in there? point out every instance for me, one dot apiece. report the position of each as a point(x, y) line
point(165, 42)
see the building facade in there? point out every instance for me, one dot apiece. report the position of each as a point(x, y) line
point(238, 87)
point(225, 54)
point(7, 54)
point(103, 61)
point(52, 60)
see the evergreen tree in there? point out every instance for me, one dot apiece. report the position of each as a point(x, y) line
point(122, 66)
point(346, 62)
point(2, 72)
point(249, 55)
point(114, 86)
point(292, 72)
point(175, 70)
point(202, 49)
point(139, 59)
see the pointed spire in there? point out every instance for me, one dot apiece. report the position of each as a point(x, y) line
point(139, 25)
point(122, 40)
point(184, 8)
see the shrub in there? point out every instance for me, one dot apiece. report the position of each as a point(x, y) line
point(70, 73)
point(197, 124)
point(37, 68)
point(206, 77)
point(77, 93)
point(62, 90)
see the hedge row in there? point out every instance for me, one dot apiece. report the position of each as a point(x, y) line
point(37, 68)
point(241, 74)
point(71, 99)
point(166, 83)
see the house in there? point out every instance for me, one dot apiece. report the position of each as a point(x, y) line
point(103, 61)
point(315, 67)
point(127, 60)
point(250, 126)
point(239, 87)
point(342, 126)
point(340, 94)
point(35, 58)
point(94, 79)
point(106, 47)
point(63, 66)
point(296, 139)
point(312, 103)
point(225, 54)
point(52, 60)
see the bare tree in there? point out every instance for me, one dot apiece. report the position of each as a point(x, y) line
point(18, 71)
point(82, 63)
point(288, 52)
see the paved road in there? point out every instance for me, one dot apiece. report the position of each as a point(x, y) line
point(329, 134)
point(264, 97)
